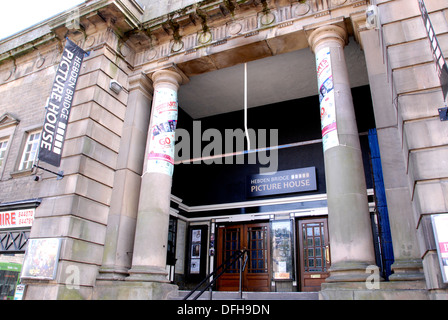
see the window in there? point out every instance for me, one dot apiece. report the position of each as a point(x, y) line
point(3, 147)
point(30, 151)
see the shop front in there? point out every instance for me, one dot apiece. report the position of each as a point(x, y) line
point(16, 219)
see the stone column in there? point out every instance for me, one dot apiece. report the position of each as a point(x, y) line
point(123, 208)
point(351, 244)
point(149, 255)
point(408, 263)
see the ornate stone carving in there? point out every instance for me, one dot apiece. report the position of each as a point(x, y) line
point(248, 19)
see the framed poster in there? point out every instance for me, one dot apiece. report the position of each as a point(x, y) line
point(440, 228)
point(282, 250)
point(41, 260)
point(195, 254)
point(195, 266)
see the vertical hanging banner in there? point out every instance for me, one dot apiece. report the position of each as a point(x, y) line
point(326, 98)
point(163, 126)
point(59, 104)
point(441, 66)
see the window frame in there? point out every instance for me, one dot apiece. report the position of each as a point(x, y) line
point(4, 150)
point(26, 144)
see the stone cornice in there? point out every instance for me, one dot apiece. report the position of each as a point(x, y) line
point(281, 29)
point(119, 15)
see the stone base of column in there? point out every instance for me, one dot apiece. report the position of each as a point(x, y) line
point(403, 290)
point(350, 271)
point(134, 290)
point(407, 270)
point(148, 274)
point(112, 273)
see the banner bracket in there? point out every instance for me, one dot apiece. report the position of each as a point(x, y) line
point(443, 114)
point(59, 174)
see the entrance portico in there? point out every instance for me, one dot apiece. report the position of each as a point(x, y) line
point(125, 227)
point(225, 58)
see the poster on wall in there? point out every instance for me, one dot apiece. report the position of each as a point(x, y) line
point(41, 260)
point(326, 98)
point(195, 254)
point(163, 126)
point(440, 228)
point(282, 249)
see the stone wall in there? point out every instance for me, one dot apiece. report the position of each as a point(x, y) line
point(416, 97)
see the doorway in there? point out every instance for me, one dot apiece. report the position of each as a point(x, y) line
point(314, 253)
point(255, 238)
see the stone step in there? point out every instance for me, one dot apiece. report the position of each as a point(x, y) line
point(232, 295)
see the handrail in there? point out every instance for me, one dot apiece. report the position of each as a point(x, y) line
point(225, 265)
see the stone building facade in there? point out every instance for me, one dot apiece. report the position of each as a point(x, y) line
point(113, 209)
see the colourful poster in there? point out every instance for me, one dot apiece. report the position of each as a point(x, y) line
point(326, 97)
point(440, 228)
point(163, 126)
point(41, 260)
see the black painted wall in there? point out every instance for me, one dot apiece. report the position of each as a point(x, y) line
point(296, 121)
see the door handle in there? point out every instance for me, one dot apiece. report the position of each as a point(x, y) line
point(327, 254)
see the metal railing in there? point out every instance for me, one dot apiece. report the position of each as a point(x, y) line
point(213, 276)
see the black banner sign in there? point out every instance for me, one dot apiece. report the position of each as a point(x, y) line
point(287, 181)
point(59, 105)
point(441, 66)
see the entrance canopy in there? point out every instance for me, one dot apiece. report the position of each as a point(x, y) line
point(283, 77)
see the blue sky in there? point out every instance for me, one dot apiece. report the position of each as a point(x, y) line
point(17, 15)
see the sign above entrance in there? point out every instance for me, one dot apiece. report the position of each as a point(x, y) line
point(282, 182)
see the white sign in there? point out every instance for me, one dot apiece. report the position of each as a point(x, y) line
point(326, 97)
point(16, 218)
point(440, 227)
point(20, 289)
point(163, 125)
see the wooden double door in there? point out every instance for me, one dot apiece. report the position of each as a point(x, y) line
point(255, 238)
point(313, 255)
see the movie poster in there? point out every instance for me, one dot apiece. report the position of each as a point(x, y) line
point(42, 257)
point(195, 254)
point(163, 126)
point(326, 98)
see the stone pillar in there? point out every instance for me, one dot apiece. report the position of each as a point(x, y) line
point(124, 203)
point(350, 231)
point(408, 264)
point(149, 255)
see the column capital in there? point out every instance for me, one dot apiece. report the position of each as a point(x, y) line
point(166, 76)
point(169, 74)
point(142, 82)
point(327, 33)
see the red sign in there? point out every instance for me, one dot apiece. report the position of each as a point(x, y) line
point(443, 246)
point(16, 218)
